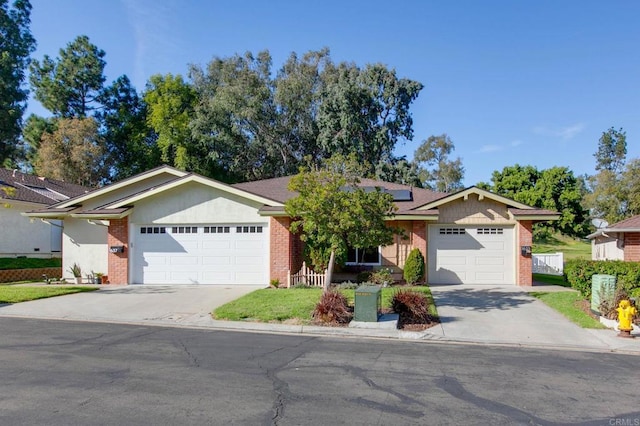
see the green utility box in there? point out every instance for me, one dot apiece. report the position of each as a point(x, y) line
point(603, 287)
point(367, 303)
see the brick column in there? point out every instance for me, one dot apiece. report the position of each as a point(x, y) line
point(419, 241)
point(632, 246)
point(118, 235)
point(280, 242)
point(524, 264)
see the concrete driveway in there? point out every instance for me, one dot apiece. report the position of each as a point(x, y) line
point(509, 315)
point(135, 304)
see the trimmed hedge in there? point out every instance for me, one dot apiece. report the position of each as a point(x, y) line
point(578, 273)
point(414, 267)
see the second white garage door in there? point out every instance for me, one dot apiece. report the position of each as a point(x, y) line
point(471, 255)
point(200, 254)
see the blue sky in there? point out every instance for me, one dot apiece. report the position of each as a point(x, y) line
point(528, 82)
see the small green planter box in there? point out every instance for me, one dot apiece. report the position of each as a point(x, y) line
point(367, 303)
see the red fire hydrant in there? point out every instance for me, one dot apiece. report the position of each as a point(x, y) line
point(626, 312)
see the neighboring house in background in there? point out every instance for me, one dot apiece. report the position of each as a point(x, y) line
point(620, 241)
point(166, 226)
point(19, 193)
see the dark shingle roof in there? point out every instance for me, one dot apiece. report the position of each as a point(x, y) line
point(276, 189)
point(35, 189)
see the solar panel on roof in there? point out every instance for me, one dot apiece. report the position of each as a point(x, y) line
point(400, 194)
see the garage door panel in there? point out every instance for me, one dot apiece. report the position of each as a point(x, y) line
point(492, 277)
point(494, 245)
point(205, 255)
point(216, 260)
point(452, 260)
point(191, 260)
point(484, 260)
point(471, 254)
point(249, 245)
point(216, 245)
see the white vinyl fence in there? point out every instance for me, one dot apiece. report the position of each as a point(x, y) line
point(548, 263)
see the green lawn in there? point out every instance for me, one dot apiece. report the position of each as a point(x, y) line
point(270, 305)
point(567, 303)
point(572, 248)
point(28, 263)
point(15, 294)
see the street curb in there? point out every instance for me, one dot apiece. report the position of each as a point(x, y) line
point(344, 332)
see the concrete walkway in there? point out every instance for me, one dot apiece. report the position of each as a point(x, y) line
point(491, 315)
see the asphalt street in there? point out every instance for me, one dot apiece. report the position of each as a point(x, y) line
point(67, 373)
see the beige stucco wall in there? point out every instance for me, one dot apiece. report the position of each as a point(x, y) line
point(85, 244)
point(19, 235)
point(607, 248)
point(196, 203)
point(473, 211)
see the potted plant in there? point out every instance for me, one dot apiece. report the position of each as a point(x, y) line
point(77, 273)
point(98, 276)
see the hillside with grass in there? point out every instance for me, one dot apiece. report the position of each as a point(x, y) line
point(571, 247)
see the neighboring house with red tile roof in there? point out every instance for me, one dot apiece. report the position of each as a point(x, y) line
point(620, 241)
point(166, 226)
point(19, 193)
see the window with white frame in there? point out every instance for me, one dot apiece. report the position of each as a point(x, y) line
point(365, 256)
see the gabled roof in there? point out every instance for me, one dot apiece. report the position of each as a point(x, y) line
point(518, 210)
point(631, 224)
point(35, 189)
point(121, 184)
point(191, 177)
point(122, 207)
point(464, 194)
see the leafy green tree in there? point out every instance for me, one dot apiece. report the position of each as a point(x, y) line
point(611, 194)
point(131, 146)
point(366, 112)
point(299, 86)
point(332, 213)
point(555, 189)
point(612, 150)
point(170, 102)
point(438, 172)
point(16, 44)
point(236, 119)
point(631, 184)
point(73, 153)
point(70, 85)
point(399, 170)
point(34, 128)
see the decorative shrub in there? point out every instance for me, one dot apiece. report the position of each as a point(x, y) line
point(578, 273)
point(412, 307)
point(275, 283)
point(363, 276)
point(414, 267)
point(381, 276)
point(332, 308)
point(347, 285)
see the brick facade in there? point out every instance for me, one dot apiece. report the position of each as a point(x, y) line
point(524, 264)
point(281, 244)
point(632, 246)
point(118, 235)
point(12, 275)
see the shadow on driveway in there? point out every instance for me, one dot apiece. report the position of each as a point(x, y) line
point(480, 300)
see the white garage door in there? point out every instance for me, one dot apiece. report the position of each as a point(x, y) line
point(471, 255)
point(200, 254)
